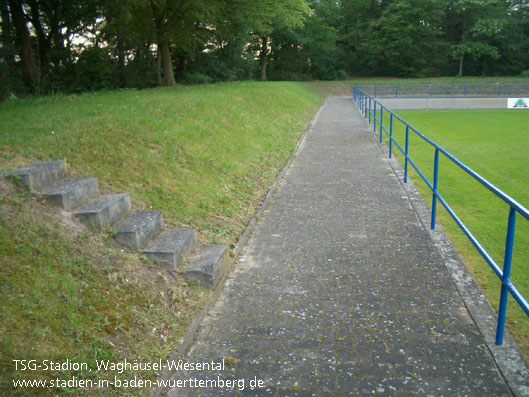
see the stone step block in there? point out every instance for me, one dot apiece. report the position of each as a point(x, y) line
point(38, 176)
point(207, 265)
point(104, 211)
point(135, 230)
point(171, 246)
point(72, 193)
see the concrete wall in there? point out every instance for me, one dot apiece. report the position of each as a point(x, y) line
point(443, 103)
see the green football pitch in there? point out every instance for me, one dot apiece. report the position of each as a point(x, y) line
point(495, 144)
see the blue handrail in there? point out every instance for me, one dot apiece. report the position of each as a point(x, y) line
point(439, 90)
point(368, 106)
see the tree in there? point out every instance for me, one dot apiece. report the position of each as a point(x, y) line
point(30, 68)
point(481, 27)
point(164, 13)
point(74, 45)
point(7, 51)
point(263, 17)
point(310, 51)
point(406, 37)
point(355, 34)
point(180, 27)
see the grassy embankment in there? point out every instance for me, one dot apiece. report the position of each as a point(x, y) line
point(205, 156)
point(495, 144)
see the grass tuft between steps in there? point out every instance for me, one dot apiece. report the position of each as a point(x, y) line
point(67, 293)
point(205, 156)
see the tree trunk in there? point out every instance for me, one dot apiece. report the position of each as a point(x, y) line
point(158, 68)
point(7, 38)
point(164, 52)
point(30, 70)
point(460, 74)
point(44, 42)
point(263, 61)
point(461, 59)
point(121, 56)
point(167, 62)
point(116, 10)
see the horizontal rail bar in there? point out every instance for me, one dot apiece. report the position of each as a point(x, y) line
point(492, 263)
point(518, 296)
point(425, 179)
point(467, 90)
point(505, 197)
point(379, 86)
point(398, 145)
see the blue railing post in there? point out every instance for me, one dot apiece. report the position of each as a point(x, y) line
point(375, 93)
point(374, 115)
point(363, 102)
point(435, 184)
point(407, 149)
point(381, 121)
point(390, 134)
point(369, 117)
point(365, 106)
point(507, 264)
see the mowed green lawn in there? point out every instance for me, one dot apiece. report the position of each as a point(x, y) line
point(494, 143)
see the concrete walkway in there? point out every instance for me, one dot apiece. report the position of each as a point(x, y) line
point(340, 290)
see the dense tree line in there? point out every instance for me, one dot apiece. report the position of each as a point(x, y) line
point(76, 45)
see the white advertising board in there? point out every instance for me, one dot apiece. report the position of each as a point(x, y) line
point(518, 103)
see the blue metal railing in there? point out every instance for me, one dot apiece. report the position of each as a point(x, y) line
point(368, 106)
point(445, 90)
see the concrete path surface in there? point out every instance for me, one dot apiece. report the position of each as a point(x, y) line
point(340, 290)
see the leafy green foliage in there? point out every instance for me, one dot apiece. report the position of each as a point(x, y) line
point(482, 30)
point(135, 43)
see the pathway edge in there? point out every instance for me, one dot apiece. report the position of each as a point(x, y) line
point(192, 331)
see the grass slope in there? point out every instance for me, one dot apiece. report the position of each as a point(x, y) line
point(206, 156)
point(495, 144)
point(69, 294)
point(203, 155)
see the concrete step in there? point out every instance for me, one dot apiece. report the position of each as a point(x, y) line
point(135, 230)
point(105, 210)
point(171, 246)
point(38, 176)
point(207, 265)
point(72, 193)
